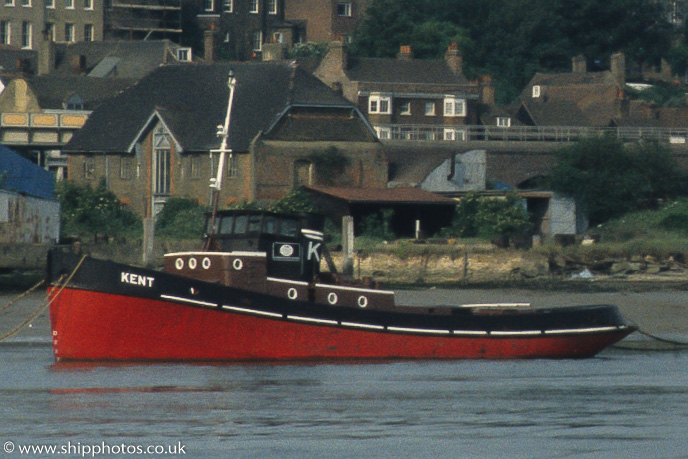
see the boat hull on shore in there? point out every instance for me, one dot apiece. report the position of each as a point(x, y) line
point(110, 311)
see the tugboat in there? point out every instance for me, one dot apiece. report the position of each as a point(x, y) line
point(255, 292)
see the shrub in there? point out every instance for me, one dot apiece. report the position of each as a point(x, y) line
point(181, 218)
point(88, 211)
point(378, 225)
point(489, 217)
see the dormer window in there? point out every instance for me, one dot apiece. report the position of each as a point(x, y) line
point(536, 91)
point(503, 121)
point(184, 54)
point(380, 104)
point(74, 102)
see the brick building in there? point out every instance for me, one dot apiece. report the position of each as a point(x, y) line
point(153, 141)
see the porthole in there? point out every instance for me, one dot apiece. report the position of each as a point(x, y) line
point(206, 263)
point(238, 264)
point(179, 263)
point(363, 301)
point(192, 263)
point(332, 298)
point(292, 293)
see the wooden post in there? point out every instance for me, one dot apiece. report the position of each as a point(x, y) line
point(348, 245)
point(148, 239)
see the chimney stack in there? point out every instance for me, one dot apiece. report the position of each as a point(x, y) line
point(209, 44)
point(579, 64)
point(454, 58)
point(405, 53)
point(618, 68)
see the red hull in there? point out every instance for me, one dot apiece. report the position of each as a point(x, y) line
point(88, 325)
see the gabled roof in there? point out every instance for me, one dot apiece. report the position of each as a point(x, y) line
point(192, 101)
point(52, 90)
point(389, 70)
point(21, 175)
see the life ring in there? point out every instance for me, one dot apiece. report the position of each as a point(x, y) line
point(206, 263)
point(192, 263)
point(332, 298)
point(292, 293)
point(238, 264)
point(179, 264)
point(362, 301)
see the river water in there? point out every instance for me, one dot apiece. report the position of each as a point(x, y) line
point(622, 403)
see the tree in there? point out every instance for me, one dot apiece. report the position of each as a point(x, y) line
point(608, 180)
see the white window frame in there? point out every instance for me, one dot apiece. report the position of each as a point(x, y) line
point(383, 133)
point(504, 121)
point(209, 5)
point(228, 6)
point(50, 4)
point(454, 134)
point(346, 13)
point(9, 2)
point(405, 108)
point(89, 32)
point(258, 40)
point(536, 91)
point(70, 5)
point(254, 6)
point(430, 108)
point(272, 6)
point(26, 35)
point(379, 104)
point(70, 32)
point(88, 5)
point(6, 38)
point(26, 3)
point(454, 106)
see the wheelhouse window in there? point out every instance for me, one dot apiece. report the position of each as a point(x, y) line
point(379, 104)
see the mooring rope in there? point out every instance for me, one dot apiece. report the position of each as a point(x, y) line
point(667, 344)
point(42, 308)
point(5, 306)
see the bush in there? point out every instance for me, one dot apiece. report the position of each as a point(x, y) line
point(378, 225)
point(181, 218)
point(489, 217)
point(85, 211)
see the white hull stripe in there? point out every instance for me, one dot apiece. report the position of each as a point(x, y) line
point(470, 332)
point(583, 330)
point(495, 305)
point(251, 311)
point(516, 333)
point(287, 281)
point(366, 326)
point(189, 300)
point(313, 320)
point(354, 289)
point(418, 330)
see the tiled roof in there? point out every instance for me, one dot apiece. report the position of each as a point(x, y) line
point(405, 195)
point(388, 70)
point(134, 59)
point(52, 91)
point(191, 99)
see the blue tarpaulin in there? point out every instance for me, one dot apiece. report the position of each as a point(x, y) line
point(20, 175)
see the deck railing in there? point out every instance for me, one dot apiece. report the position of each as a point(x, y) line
point(527, 133)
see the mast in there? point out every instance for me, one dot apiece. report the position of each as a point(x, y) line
point(216, 182)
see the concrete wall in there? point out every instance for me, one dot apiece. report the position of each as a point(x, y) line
point(25, 219)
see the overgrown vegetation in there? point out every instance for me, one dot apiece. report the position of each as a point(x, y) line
point(488, 217)
point(330, 164)
point(94, 212)
point(181, 218)
point(608, 179)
